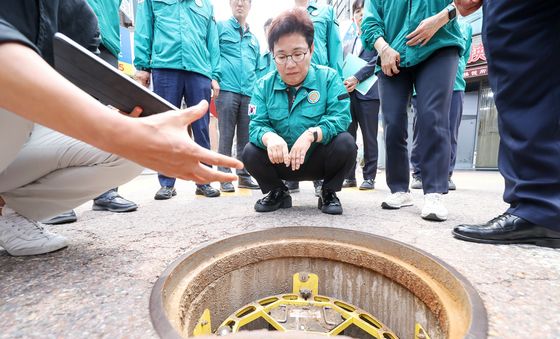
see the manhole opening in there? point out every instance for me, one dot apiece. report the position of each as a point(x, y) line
point(379, 287)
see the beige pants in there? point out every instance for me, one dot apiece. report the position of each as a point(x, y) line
point(44, 173)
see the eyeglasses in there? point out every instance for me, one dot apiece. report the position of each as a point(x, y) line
point(242, 1)
point(297, 57)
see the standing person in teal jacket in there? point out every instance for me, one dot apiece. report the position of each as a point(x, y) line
point(239, 61)
point(299, 117)
point(419, 43)
point(107, 13)
point(455, 115)
point(266, 62)
point(177, 42)
point(328, 50)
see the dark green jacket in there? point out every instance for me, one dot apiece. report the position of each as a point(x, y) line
point(266, 64)
point(177, 34)
point(239, 57)
point(107, 12)
point(322, 100)
point(328, 47)
point(395, 19)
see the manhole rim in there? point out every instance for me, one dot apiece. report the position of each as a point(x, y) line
point(478, 327)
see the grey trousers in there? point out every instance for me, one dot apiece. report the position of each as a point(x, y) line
point(44, 173)
point(233, 114)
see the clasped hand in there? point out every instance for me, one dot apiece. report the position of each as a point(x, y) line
point(278, 153)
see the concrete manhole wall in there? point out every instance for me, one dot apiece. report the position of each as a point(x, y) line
point(398, 284)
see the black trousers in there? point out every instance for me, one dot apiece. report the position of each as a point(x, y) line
point(522, 44)
point(433, 80)
point(330, 162)
point(365, 113)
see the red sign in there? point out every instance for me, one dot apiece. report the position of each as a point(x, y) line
point(477, 54)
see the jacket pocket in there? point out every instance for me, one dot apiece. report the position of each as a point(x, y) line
point(164, 7)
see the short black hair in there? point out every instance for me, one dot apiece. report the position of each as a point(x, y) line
point(267, 23)
point(358, 4)
point(295, 20)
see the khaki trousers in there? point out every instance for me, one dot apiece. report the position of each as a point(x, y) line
point(44, 173)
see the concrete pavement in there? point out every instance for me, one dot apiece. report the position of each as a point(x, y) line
point(100, 285)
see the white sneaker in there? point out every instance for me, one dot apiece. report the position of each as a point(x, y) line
point(397, 200)
point(433, 207)
point(22, 236)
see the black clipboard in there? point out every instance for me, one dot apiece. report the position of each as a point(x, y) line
point(102, 81)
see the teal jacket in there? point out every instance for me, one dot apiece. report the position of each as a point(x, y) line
point(107, 12)
point(322, 100)
point(466, 31)
point(177, 34)
point(395, 19)
point(328, 47)
point(266, 64)
point(239, 57)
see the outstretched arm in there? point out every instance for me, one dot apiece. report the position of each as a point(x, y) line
point(159, 142)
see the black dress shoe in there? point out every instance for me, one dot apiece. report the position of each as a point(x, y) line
point(207, 191)
point(275, 199)
point(368, 184)
point(349, 183)
point(247, 182)
point(508, 229)
point(293, 186)
point(329, 203)
point(227, 187)
point(64, 218)
point(165, 192)
point(113, 202)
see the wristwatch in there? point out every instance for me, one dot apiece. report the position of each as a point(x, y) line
point(451, 11)
point(313, 131)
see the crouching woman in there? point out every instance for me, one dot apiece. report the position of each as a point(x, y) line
point(299, 117)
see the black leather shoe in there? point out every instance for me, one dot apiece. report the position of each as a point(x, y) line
point(293, 186)
point(165, 192)
point(207, 191)
point(227, 187)
point(64, 218)
point(329, 203)
point(113, 202)
point(508, 229)
point(349, 183)
point(275, 199)
point(368, 184)
point(247, 182)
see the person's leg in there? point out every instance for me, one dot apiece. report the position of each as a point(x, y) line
point(245, 180)
point(267, 175)
point(227, 105)
point(197, 87)
point(18, 234)
point(352, 129)
point(368, 118)
point(414, 156)
point(14, 133)
point(434, 80)
point(337, 157)
point(258, 164)
point(524, 36)
point(168, 85)
point(395, 94)
point(455, 116)
point(54, 173)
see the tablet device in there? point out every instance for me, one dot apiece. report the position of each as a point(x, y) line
point(102, 81)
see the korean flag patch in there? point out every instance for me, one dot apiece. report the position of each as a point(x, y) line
point(252, 109)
